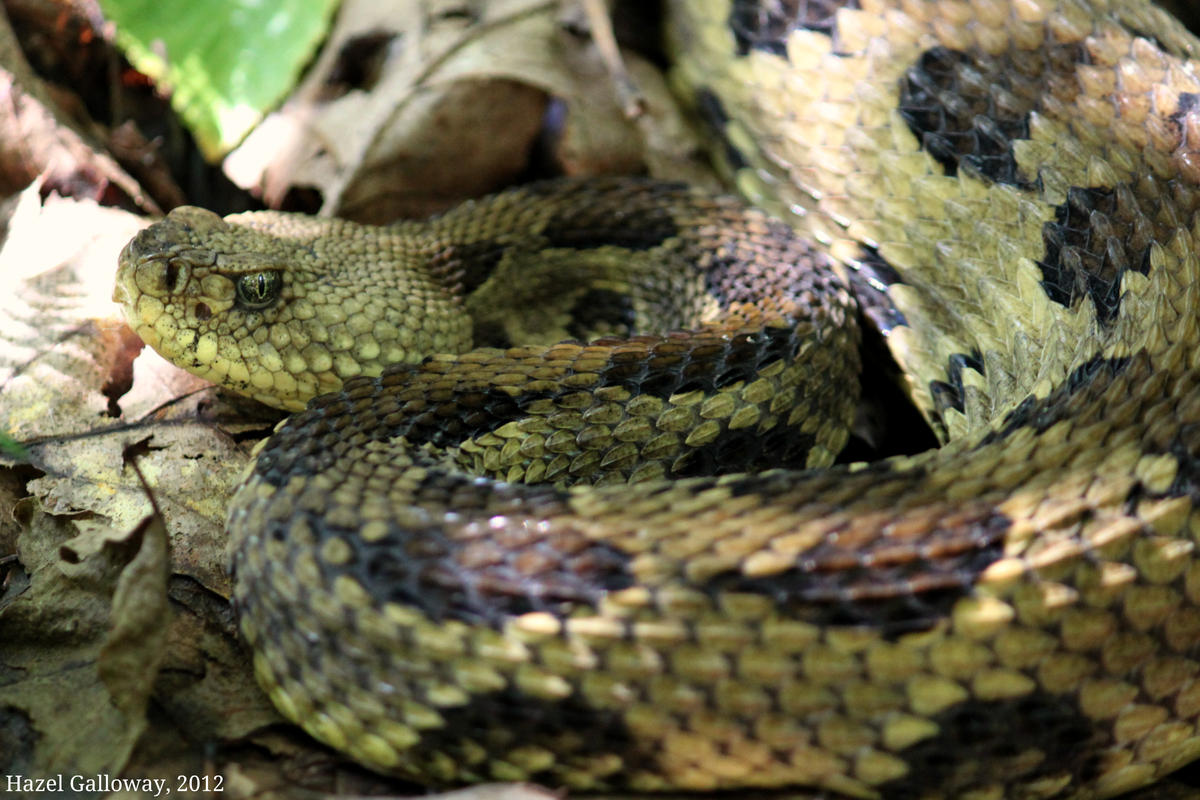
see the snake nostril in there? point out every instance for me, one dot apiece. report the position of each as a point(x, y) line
point(203, 312)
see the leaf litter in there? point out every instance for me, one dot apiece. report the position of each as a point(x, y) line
point(118, 649)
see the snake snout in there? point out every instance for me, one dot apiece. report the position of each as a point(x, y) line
point(125, 291)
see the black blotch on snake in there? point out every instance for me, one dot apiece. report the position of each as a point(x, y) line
point(569, 727)
point(669, 368)
point(1096, 236)
point(466, 266)
point(759, 25)
point(1083, 386)
point(644, 222)
point(951, 393)
point(863, 579)
point(737, 271)
point(966, 109)
point(476, 568)
point(716, 118)
point(990, 741)
point(674, 368)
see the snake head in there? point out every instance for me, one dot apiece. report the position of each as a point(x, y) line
point(162, 260)
point(191, 286)
point(281, 307)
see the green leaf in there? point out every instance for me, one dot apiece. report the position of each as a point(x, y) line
point(13, 449)
point(225, 62)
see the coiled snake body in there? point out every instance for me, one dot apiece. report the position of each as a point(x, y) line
point(431, 584)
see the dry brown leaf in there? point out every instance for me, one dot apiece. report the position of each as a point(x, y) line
point(130, 656)
point(38, 140)
point(117, 664)
point(91, 628)
point(453, 113)
point(53, 628)
point(66, 359)
point(461, 97)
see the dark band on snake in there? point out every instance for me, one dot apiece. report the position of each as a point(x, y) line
point(562, 504)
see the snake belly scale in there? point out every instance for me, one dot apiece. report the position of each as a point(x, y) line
point(495, 547)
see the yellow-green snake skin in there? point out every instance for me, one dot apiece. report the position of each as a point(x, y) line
point(432, 583)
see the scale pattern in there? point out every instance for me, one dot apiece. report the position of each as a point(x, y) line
point(436, 578)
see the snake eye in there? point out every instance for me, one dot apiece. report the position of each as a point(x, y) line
point(258, 289)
